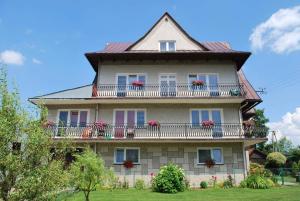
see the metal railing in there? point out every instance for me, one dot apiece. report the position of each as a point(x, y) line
point(167, 91)
point(162, 131)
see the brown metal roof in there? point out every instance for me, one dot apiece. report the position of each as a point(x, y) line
point(251, 93)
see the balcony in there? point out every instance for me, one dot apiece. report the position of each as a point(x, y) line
point(233, 91)
point(163, 131)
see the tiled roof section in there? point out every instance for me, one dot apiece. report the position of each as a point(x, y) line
point(116, 47)
point(250, 91)
point(120, 47)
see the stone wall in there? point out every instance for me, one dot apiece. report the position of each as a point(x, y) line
point(154, 155)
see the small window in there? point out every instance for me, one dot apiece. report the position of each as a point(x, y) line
point(167, 46)
point(210, 153)
point(122, 154)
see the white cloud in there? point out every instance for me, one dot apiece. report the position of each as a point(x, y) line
point(36, 61)
point(12, 57)
point(289, 126)
point(280, 33)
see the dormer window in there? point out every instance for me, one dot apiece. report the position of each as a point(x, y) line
point(167, 46)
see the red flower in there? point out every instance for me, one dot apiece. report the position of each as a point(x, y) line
point(153, 123)
point(128, 164)
point(208, 123)
point(137, 83)
point(100, 125)
point(198, 82)
point(152, 174)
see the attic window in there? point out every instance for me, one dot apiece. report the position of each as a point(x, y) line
point(167, 46)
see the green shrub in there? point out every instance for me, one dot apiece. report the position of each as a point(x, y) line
point(256, 169)
point(203, 184)
point(295, 168)
point(125, 184)
point(170, 179)
point(187, 184)
point(243, 184)
point(139, 184)
point(228, 183)
point(275, 160)
point(258, 182)
point(274, 179)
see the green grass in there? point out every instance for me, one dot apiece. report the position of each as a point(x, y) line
point(236, 194)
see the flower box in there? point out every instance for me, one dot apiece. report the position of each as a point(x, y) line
point(210, 162)
point(198, 83)
point(153, 123)
point(208, 124)
point(137, 84)
point(128, 164)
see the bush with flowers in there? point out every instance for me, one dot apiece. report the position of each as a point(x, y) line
point(170, 179)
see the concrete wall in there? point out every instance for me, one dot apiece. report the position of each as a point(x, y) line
point(153, 156)
point(226, 71)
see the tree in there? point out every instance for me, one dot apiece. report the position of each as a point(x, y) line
point(27, 170)
point(284, 145)
point(87, 172)
point(275, 160)
point(261, 122)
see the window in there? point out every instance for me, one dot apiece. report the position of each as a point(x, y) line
point(124, 83)
point(167, 46)
point(210, 153)
point(73, 117)
point(210, 82)
point(200, 115)
point(122, 154)
point(130, 117)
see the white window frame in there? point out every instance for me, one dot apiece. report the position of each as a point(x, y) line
point(125, 148)
point(206, 78)
point(69, 115)
point(211, 154)
point(127, 77)
point(209, 113)
point(129, 109)
point(167, 45)
point(167, 74)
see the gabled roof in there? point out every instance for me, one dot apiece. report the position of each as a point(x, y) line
point(207, 50)
point(166, 14)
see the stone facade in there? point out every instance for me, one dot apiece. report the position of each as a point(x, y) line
point(155, 155)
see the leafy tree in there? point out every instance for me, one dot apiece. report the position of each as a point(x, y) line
point(275, 160)
point(260, 121)
point(88, 172)
point(27, 171)
point(284, 145)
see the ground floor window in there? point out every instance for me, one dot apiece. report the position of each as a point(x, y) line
point(127, 154)
point(210, 153)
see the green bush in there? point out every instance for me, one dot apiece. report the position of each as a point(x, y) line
point(203, 184)
point(139, 184)
point(243, 184)
point(275, 160)
point(170, 179)
point(256, 169)
point(228, 183)
point(295, 168)
point(257, 182)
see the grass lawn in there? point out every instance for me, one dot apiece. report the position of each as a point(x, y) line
point(290, 193)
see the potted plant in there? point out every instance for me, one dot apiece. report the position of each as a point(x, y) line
point(153, 123)
point(100, 127)
point(198, 83)
point(130, 132)
point(208, 124)
point(235, 92)
point(137, 83)
point(128, 164)
point(248, 128)
point(48, 124)
point(210, 163)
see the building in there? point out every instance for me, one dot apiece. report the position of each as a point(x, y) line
point(164, 98)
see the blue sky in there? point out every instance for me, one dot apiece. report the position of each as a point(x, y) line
point(51, 37)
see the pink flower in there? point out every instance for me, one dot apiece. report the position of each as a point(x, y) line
point(153, 123)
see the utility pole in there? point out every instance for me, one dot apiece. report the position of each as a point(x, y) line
point(274, 140)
